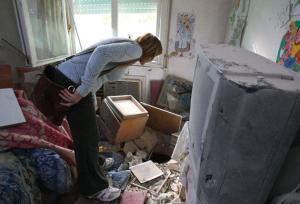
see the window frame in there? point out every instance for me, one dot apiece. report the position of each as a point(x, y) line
point(27, 37)
point(162, 28)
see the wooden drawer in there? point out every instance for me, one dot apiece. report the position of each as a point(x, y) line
point(121, 129)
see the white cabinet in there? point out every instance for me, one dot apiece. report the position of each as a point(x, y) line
point(245, 113)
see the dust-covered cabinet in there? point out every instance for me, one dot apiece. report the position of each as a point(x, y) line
point(245, 113)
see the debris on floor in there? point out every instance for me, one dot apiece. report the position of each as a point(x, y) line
point(164, 189)
point(146, 171)
point(143, 167)
point(130, 197)
point(132, 169)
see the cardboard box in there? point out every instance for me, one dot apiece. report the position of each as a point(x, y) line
point(124, 117)
point(162, 120)
point(167, 123)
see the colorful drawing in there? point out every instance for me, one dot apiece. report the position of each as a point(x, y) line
point(184, 42)
point(289, 51)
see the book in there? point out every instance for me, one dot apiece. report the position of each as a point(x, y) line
point(10, 110)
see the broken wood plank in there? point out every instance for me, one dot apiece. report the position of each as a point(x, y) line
point(163, 183)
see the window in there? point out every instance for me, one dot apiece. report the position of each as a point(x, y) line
point(43, 28)
point(99, 19)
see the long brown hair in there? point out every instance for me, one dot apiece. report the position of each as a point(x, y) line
point(150, 44)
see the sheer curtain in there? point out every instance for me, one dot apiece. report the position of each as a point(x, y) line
point(46, 17)
point(44, 29)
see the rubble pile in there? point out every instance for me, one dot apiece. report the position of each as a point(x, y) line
point(165, 189)
point(137, 148)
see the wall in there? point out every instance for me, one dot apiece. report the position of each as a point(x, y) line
point(211, 21)
point(266, 26)
point(146, 74)
point(9, 32)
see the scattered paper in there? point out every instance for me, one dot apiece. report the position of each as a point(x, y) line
point(146, 171)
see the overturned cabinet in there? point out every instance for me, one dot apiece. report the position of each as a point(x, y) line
point(244, 115)
point(122, 118)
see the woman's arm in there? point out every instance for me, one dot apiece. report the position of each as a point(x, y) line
point(102, 55)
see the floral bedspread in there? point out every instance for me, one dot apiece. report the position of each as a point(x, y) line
point(36, 132)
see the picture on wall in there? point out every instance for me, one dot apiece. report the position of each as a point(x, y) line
point(289, 51)
point(184, 43)
point(237, 22)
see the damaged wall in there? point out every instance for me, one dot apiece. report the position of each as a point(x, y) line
point(9, 32)
point(267, 23)
point(211, 20)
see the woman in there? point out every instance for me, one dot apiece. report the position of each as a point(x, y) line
point(86, 72)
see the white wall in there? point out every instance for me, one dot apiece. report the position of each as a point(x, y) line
point(211, 20)
point(265, 26)
point(9, 31)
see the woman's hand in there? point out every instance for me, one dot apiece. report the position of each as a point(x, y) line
point(69, 98)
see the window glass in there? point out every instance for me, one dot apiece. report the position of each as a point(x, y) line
point(136, 17)
point(93, 21)
point(100, 19)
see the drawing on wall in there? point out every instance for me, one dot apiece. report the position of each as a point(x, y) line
point(283, 16)
point(289, 51)
point(291, 12)
point(296, 10)
point(236, 22)
point(184, 43)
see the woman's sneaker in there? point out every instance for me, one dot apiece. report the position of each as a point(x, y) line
point(108, 163)
point(109, 194)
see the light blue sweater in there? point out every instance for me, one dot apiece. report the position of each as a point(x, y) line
point(85, 69)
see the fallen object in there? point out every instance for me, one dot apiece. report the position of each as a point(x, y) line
point(123, 118)
point(129, 197)
point(144, 188)
point(146, 171)
point(119, 178)
point(173, 165)
point(163, 183)
point(11, 113)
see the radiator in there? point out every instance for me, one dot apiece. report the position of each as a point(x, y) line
point(124, 87)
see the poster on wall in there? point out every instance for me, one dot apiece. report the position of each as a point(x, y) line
point(184, 44)
point(289, 12)
point(295, 14)
point(237, 22)
point(289, 51)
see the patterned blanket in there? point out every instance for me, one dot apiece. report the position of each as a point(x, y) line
point(34, 155)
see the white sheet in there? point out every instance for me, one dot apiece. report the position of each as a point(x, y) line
point(10, 110)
